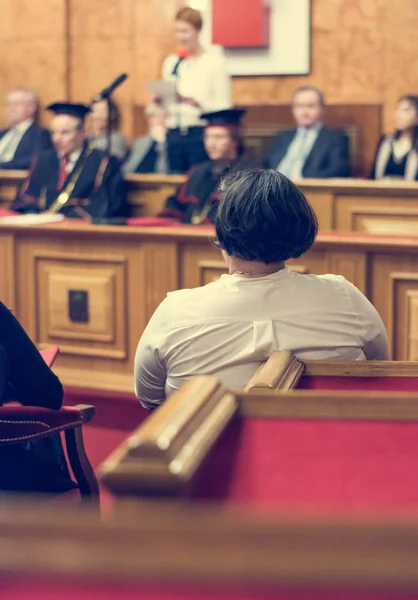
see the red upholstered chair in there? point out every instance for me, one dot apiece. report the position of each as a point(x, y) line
point(23, 423)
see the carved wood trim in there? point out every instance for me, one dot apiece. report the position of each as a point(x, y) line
point(153, 543)
point(369, 368)
point(349, 405)
point(164, 453)
point(281, 371)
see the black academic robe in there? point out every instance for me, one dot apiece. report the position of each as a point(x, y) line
point(98, 191)
point(196, 200)
point(34, 140)
point(329, 156)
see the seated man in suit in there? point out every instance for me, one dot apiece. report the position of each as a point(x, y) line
point(24, 138)
point(149, 152)
point(311, 150)
point(72, 179)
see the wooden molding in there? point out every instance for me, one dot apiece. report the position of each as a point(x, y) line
point(163, 454)
point(281, 371)
point(349, 405)
point(361, 368)
point(161, 543)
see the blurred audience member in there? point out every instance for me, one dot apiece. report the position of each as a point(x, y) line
point(397, 153)
point(311, 150)
point(149, 152)
point(203, 86)
point(197, 199)
point(98, 135)
point(72, 179)
point(24, 138)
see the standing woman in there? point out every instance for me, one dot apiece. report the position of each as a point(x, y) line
point(203, 85)
point(397, 153)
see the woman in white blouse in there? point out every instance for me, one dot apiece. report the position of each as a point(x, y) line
point(229, 327)
point(202, 84)
point(397, 153)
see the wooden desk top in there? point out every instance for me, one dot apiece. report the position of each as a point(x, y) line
point(350, 185)
point(334, 240)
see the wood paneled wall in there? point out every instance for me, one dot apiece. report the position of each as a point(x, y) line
point(363, 51)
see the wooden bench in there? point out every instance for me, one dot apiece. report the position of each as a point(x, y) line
point(316, 449)
point(161, 551)
point(283, 371)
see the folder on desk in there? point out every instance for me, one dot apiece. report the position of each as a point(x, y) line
point(50, 354)
point(151, 222)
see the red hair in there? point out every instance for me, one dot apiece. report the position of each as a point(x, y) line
point(191, 16)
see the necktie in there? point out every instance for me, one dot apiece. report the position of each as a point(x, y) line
point(62, 173)
point(294, 160)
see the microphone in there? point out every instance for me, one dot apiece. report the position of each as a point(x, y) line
point(105, 93)
point(182, 54)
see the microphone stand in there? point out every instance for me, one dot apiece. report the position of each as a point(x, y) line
point(106, 94)
point(109, 128)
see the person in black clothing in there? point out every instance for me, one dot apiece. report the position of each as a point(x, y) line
point(196, 200)
point(23, 139)
point(73, 179)
point(397, 153)
point(38, 465)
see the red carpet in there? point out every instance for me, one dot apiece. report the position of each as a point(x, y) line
point(117, 415)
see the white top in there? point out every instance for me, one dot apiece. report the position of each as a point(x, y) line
point(72, 160)
point(229, 327)
point(11, 139)
point(205, 79)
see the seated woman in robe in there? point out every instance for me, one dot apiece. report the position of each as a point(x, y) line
point(38, 465)
point(397, 153)
point(230, 326)
point(196, 200)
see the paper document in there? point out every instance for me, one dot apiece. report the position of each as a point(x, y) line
point(31, 219)
point(166, 90)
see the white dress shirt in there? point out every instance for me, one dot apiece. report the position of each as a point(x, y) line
point(72, 160)
point(205, 79)
point(11, 139)
point(229, 327)
point(298, 151)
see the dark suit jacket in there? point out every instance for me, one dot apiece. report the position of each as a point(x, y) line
point(329, 157)
point(34, 140)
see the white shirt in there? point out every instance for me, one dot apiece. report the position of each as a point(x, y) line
point(72, 160)
point(11, 139)
point(229, 327)
point(205, 79)
point(298, 151)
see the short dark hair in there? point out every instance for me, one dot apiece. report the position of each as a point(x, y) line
point(310, 88)
point(413, 100)
point(263, 216)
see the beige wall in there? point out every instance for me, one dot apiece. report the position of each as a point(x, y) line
point(363, 51)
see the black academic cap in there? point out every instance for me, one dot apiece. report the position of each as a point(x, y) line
point(230, 117)
point(69, 108)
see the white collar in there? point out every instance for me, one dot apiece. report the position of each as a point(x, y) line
point(73, 157)
point(315, 128)
point(23, 126)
